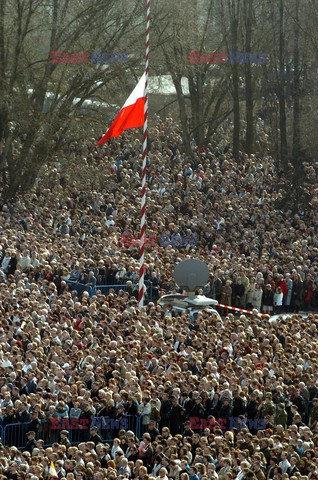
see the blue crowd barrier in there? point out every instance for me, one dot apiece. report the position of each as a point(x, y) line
point(81, 287)
point(48, 434)
point(14, 434)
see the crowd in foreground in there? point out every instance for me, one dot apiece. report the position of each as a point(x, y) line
point(76, 356)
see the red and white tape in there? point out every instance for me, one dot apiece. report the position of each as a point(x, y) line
point(241, 310)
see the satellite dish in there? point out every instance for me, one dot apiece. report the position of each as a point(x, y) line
point(191, 274)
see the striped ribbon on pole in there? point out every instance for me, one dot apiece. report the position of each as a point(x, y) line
point(141, 287)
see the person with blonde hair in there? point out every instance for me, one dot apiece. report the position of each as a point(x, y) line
point(116, 448)
point(229, 437)
point(163, 474)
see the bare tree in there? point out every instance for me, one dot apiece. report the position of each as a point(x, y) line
point(296, 90)
point(281, 87)
point(29, 32)
point(249, 91)
point(205, 108)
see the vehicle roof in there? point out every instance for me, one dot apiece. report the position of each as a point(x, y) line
point(183, 300)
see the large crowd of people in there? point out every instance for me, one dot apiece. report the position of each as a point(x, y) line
point(77, 352)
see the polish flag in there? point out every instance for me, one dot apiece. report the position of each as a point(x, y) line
point(131, 114)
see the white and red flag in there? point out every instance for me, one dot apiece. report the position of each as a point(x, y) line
point(131, 115)
point(52, 471)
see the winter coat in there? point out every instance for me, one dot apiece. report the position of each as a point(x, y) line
point(313, 416)
point(144, 411)
point(238, 290)
point(245, 282)
point(256, 297)
point(267, 409)
point(268, 298)
point(226, 295)
point(308, 289)
point(250, 293)
point(216, 288)
point(252, 409)
point(290, 284)
point(297, 293)
point(239, 407)
point(281, 418)
point(283, 285)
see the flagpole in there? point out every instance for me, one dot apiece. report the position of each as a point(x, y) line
point(141, 287)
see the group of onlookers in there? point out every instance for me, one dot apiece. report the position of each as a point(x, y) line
point(75, 351)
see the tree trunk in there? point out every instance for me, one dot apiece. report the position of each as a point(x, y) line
point(235, 82)
point(196, 95)
point(183, 114)
point(296, 94)
point(281, 90)
point(3, 96)
point(249, 146)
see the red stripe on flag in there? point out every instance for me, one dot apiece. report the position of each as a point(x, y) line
point(131, 116)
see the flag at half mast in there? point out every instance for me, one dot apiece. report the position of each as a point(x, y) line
point(131, 115)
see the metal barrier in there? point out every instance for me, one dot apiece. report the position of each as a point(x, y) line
point(81, 287)
point(48, 434)
point(14, 434)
